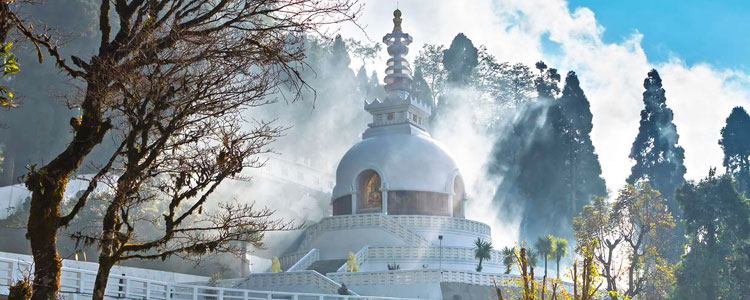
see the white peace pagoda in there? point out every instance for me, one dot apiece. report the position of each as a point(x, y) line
point(398, 206)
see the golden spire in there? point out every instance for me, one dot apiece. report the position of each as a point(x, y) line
point(397, 20)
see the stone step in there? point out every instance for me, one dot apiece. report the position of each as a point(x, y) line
point(327, 266)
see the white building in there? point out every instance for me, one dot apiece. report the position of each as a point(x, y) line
point(398, 204)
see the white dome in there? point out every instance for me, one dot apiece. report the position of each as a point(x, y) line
point(405, 162)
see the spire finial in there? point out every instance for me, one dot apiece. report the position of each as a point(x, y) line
point(397, 20)
point(399, 107)
point(398, 74)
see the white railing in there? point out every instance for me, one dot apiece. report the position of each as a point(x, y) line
point(399, 254)
point(312, 256)
point(361, 256)
point(288, 260)
point(459, 254)
point(78, 284)
point(425, 276)
point(306, 278)
point(362, 221)
point(443, 223)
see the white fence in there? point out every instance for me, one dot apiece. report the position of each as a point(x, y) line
point(444, 223)
point(460, 254)
point(78, 284)
point(362, 221)
point(397, 254)
point(296, 280)
point(288, 260)
point(424, 276)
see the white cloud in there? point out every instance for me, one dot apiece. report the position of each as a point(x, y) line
point(611, 73)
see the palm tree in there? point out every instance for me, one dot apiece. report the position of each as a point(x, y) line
point(561, 250)
point(508, 258)
point(546, 246)
point(532, 255)
point(482, 251)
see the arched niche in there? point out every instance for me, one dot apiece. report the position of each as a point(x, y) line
point(369, 193)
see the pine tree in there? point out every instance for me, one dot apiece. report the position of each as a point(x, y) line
point(659, 158)
point(339, 55)
point(420, 89)
point(547, 81)
point(460, 59)
point(735, 140)
point(363, 82)
point(376, 89)
point(520, 81)
point(584, 178)
point(657, 155)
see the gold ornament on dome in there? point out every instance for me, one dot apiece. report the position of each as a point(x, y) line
point(397, 20)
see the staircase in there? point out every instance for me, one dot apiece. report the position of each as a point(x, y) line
point(326, 266)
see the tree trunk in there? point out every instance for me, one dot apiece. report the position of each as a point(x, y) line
point(544, 279)
point(102, 276)
point(46, 196)
point(47, 186)
point(109, 243)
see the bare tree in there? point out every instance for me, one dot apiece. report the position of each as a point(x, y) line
point(172, 80)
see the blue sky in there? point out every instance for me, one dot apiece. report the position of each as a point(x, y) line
point(715, 32)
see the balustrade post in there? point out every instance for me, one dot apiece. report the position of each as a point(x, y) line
point(221, 294)
point(195, 293)
point(148, 289)
point(269, 296)
point(14, 266)
point(79, 288)
point(125, 282)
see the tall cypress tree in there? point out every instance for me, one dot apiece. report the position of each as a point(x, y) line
point(547, 160)
point(735, 140)
point(460, 59)
point(584, 170)
point(658, 156)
